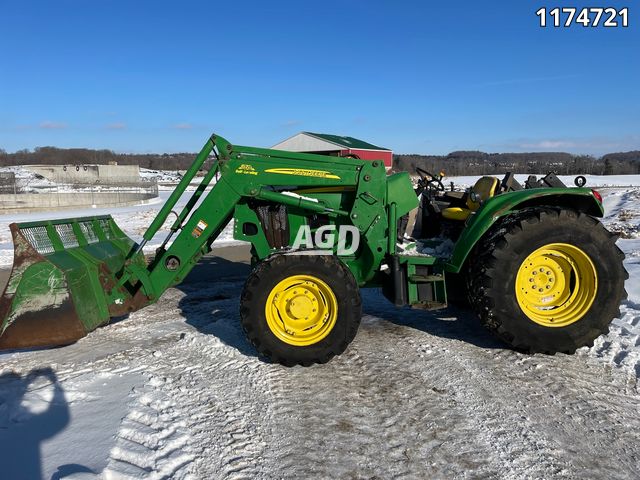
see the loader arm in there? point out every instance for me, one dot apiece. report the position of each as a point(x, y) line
point(261, 174)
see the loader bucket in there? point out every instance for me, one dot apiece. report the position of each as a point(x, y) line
point(62, 273)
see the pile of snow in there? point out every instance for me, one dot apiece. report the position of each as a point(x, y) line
point(437, 247)
point(30, 182)
point(162, 176)
point(622, 212)
point(621, 347)
point(167, 179)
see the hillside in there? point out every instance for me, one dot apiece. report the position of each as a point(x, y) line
point(480, 163)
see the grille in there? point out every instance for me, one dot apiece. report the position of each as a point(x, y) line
point(38, 238)
point(104, 225)
point(87, 230)
point(65, 231)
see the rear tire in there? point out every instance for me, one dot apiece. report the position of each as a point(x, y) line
point(587, 283)
point(301, 309)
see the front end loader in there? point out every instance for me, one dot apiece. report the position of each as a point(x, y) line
point(535, 263)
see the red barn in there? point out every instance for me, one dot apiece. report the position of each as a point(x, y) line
point(335, 145)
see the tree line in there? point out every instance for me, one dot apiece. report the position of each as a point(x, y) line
point(85, 156)
point(481, 163)
point(454, 164)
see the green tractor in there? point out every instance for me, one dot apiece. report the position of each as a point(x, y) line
point(537, 266)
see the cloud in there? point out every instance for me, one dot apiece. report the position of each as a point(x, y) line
point(291, 123)
point(116, 126)
point(53, 125)
point(183, 126)
point(547, 144)
point(592, 145)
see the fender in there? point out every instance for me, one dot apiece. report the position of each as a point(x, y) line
point(581, 199)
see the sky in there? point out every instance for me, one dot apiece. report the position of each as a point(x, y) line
point(414, 76)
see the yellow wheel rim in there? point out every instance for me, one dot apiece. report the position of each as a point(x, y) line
point(556, 285)
point(301, 310)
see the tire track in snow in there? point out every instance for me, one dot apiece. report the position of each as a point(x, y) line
point(230, 415)
point(152, 442)
point(368, 413)
point(220, 392)
point(558, 407)
point(621, 347)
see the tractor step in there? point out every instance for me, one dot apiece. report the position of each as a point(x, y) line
point(426, 278)
point(417, 281)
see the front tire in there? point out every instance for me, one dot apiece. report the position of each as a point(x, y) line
point(547, 280)
point(301, 309)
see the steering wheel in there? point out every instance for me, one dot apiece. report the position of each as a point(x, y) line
point(428, 181)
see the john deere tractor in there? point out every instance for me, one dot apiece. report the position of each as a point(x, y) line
point(537, 266)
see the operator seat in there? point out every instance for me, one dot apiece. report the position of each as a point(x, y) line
point(484, 189)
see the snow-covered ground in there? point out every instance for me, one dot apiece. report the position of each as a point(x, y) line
point(175, 391)
point(621, 347)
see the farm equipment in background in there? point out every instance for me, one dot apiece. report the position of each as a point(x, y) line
point(538, 267)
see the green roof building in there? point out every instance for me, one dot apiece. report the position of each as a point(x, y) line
point(336, 145)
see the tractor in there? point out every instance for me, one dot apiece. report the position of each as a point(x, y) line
point(533, 261)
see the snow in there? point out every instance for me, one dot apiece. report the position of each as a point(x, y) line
point(32, 182)
point(162, 176)
point(175, 391)
point(29, 181)
point(133, 220)
point(436, 247)
point(621, 347)
point(167, 179)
